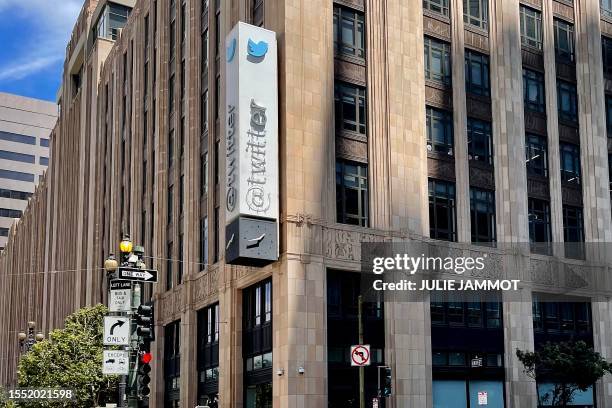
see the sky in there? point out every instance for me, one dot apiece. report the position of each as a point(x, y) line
point(33, 39)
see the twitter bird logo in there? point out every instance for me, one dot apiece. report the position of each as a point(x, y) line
point(257, 50)
point(231, 50)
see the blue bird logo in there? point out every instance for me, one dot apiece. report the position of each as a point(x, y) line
point(231, 50)
point(257, 50)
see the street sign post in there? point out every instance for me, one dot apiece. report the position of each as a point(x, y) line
point(120, 299)
point(115, 362)
point(136, 274)
point(116, 331)
point(360, 355)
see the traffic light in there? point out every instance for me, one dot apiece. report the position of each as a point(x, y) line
point(386, 391)
point(144, 369)
point(145, 322)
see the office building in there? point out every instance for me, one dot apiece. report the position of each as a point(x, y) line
point(448, 122)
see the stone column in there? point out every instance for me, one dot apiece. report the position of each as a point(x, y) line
point(592, 126)
point(508, 122)
point(188, 350)
point(552, 127)
point(462, 167)
point(602, 330)
point(230, 343)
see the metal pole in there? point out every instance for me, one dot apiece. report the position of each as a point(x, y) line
point(361, 369)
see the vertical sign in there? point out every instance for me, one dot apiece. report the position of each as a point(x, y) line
point(120, 299)
point(251, 169)
point(483, 398)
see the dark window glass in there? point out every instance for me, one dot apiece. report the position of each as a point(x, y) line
point(257, 317)
point(14, 137)
point(169, 262)
point(179, 263)
point(437, 6)
point(203, 242)
point(171, 148)
point(171, 94)
point(476, 13)
point(567, 100)
point(437, 60)
point(565, 317)
point(4, 232)
point(533, 90)
point(480, 141)
point(16, 175)
point(352, 193)
point(44, 142)
point(170, 203)
point(9, 213)
point(609, 114)
point(539, 225)
point(606, 7)
point(606, 53)
point(14, 194)
point(448, 309)
point(208, 353)
point(19, 157)
point(442, 210)
point(564, 40)
point(536, 155)
point(172, 363)
point(573, 231)
point(531, 27)
point(570, 162)
point(477, 73)
point(350, 105)
point(482, 215)
point(203, 173)
point(439, 125)
point(349, 32)
point(258, 13)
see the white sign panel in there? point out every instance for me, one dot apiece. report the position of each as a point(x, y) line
point(115, 362)
point(120, 299)
point(252, 123)
point(116, 331)
point(483, 398)
point(360, 355)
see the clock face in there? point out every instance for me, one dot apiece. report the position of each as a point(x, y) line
point(250, 241)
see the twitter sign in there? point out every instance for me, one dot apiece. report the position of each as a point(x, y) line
point(251, 181)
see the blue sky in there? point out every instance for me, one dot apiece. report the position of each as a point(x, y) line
point(33, 38)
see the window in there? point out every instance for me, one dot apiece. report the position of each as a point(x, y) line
point(439, 129)
point(564, 40)
point(482, 215)
point(44, 142)
point(561, 317)
point(4, 232)
point(573, 231)
point(476, 73)
point(15, 195)
point(16, 175)
point(536, 155)
point(203, 173)
point(172, 363)
point(531, 27)
point(19, 157)
point(257, 326)
point(14, 137)
point(170, 203)
point(442, 210)
point(179, 262)
point(204, 108)
point(258, 12)
point(349, 32)
point(609, 113)
point(480, 145)
point(171, 148)
point(181, 194)
point(203, 242)
point(169, 262)
point(570, 162)
point(208, 353)
point(350, 101)
point(476, 13)
point(606, 7)
point(171, 95)
point(352, 193)
point(43, 161)
point(533, 90)
point(448, 309)
point(606, 53)
point(10, 213)
point(539, 222)
point(566, 99)
point(172, 45)
point(437, 6)
point(113, 17)
point(437, 60)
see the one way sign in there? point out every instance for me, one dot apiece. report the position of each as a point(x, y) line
point(135, 274)
point(116, 331)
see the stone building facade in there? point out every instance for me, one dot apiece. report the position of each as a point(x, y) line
point(469, 121)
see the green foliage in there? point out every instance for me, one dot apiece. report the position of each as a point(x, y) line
point(70, 358)
point(571, 366)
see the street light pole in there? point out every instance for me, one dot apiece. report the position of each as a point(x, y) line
point(361, 368)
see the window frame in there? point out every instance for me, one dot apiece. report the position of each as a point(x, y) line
point(356, 20)
point(567, 29)
point(346, 94)
point(527, 15)
point(479, 132)
point(536, 145)
point(531, 78)
point(441, 7)
point(481, 18)
point(479, 62)
point(447, 201)
point(437, 49)
point(439, 119)
point(360, 189)
point(482, 203)
point(573, 173)
point(569, 90)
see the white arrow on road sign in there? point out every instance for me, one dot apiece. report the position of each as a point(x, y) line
point(145, 275)
point(115, 362)
point(116, 331)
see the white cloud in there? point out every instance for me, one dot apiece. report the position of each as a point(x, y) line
point(51, 22)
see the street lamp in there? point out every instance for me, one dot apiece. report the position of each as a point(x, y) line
point(27, 340)
point(111, 264)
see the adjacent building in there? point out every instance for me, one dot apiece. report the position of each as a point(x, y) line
point(471, 125)
point(25, 126)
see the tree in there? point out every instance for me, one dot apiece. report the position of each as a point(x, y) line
point(570, 366)
point(71, 358)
